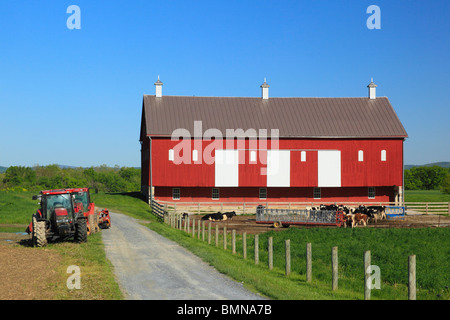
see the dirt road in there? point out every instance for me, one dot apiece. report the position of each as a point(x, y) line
point(151, 267)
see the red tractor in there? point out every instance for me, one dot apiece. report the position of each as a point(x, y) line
point(83, 204)
point(57, 218)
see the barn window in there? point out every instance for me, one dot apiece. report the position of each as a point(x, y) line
point(215, 193)
point(171, 155)
point(360, 155)
point(253, 156)
point(303, 156)
point(371, 192)
point(262, 193)
point(317, 193)
point(194, 155)
point(383, 155)
point(175, 193)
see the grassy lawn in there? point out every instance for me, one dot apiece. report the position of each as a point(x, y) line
point(426, 196)
point(389, 250)
point(17, 207)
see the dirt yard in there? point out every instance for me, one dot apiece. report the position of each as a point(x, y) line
point(246, 223)
point(26, 273)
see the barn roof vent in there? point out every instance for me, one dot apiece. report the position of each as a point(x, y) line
point(158, 85)
point(265, 90)
point(372, 90)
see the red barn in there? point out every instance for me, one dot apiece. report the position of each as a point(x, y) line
point(230, 149)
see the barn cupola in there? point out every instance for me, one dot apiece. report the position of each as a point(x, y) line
point(265, 90)
point(158, 85)
point(372, 90)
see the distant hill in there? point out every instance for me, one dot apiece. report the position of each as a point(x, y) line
point(439, 164)
point(3, 169)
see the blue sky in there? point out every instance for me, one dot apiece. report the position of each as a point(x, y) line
point(74, 97)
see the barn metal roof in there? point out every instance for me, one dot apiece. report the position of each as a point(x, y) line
point(293, 117)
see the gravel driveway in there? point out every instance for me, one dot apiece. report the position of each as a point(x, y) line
point(151, 267)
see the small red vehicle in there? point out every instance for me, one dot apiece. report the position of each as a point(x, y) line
point(104, 221)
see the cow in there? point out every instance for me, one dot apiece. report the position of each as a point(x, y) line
point(213, 217)
point(228, 215)
point(378, 212)
point(357, 218)
point(331, 207)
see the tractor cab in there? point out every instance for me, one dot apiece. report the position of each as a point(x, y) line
point(59, 210)
point(82, 199)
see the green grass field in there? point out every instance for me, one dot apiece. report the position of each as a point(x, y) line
point(426, 196)
point(389, 248)
point(16, 207)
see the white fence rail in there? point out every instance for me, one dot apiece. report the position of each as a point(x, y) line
point(250, 207)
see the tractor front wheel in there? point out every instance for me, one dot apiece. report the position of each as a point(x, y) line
point(81, 231)
point(39, 235)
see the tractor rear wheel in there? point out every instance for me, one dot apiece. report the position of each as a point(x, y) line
point(81, 231)
point(39, 234)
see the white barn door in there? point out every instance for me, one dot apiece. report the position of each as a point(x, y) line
point(278, 168)
point(227, 168)
point(329, 168)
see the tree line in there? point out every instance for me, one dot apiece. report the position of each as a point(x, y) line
point(102, 178)
point(127, 179)
point(428, 178)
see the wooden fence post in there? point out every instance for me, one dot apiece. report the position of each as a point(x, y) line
point(209, 233)
point(334, 267)
point(288, 256)
point(244, 245)
point(308, 262)
point(188, 224)
point(224, 238)
point(256, 249)
point(193, 228)
point(270, 252)
point(217, 235)
point(412, 277)
point(198, 229)
point(233, 241)
point(366, 275)
point(203, 230)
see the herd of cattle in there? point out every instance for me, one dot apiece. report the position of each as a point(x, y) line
point(352, 216)
point(219, 216)
point(358, 215)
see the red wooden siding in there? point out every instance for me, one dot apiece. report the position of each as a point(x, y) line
point(371, 172)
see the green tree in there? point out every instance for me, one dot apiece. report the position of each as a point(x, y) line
point(424, 178)
point(446, 184)
point(17, 176)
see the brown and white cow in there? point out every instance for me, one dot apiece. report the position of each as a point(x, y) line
point(357, 218)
